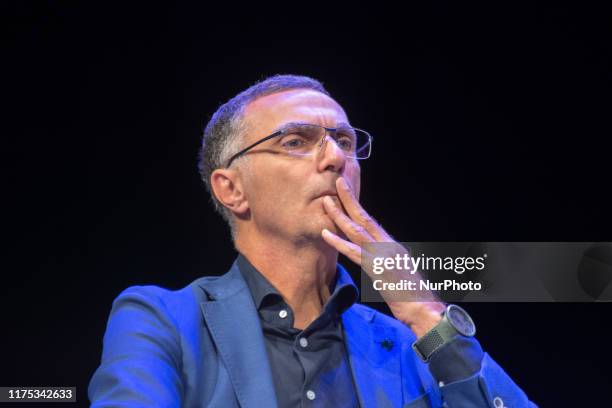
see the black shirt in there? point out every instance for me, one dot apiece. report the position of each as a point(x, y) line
point(310, 367)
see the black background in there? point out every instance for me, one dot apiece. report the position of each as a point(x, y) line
point(491, 123)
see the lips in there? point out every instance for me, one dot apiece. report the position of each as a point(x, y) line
point(326, 193)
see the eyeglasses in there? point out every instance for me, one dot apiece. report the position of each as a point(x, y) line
point(303, 139)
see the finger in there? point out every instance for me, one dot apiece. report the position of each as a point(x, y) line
point(355, 232)
point(346, 248)
point(357, 212)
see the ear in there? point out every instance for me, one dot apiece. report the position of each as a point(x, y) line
point(227, 186)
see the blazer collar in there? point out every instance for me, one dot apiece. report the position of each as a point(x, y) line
point(230, 313)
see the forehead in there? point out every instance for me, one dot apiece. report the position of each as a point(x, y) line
point(269, 112)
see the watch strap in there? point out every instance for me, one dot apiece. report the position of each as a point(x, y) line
point(439, 335)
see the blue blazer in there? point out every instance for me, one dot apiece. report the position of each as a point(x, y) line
point(203, 346)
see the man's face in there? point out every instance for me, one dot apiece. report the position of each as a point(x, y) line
point(285, 193)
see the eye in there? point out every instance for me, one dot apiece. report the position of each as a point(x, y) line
point(346, 139)
point(293, 142)
point(346, 143)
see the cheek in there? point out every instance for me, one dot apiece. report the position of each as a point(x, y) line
point(272, 191)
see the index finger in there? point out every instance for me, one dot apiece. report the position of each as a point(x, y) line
point(356, 211)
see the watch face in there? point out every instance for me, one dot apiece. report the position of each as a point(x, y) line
point(461, 321)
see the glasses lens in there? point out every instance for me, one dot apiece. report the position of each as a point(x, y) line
point(355, 142)
point(302, 139)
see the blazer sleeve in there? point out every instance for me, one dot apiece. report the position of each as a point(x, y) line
point(141, 357)
point(466, 376)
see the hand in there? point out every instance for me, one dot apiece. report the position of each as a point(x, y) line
point(360, 228)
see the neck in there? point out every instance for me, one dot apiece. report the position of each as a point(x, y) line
point(302, 273)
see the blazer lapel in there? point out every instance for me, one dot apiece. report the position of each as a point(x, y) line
point(233, 322)
point(374, 356)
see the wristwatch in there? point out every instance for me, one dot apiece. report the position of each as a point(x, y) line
point(455, 322)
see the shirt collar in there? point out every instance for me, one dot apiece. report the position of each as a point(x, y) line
point(343, 296)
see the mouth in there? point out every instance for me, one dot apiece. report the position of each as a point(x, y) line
point(326, 193)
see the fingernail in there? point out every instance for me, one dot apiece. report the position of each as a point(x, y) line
point(329, 200)
point(344, 184)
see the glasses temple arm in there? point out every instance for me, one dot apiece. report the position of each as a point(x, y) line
point(243, 151)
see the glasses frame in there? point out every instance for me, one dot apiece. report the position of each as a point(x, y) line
point(281, 131)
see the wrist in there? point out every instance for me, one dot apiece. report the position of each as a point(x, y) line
point(455, 323)
point(426, 317)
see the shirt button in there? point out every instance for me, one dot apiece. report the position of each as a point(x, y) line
point(282, 314)
point(310, 394)
point(304, 343)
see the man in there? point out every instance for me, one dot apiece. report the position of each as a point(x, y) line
point(282, 328)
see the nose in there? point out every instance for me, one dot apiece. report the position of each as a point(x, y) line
point(330, 156)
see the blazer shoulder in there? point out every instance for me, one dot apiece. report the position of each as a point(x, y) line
point(166, 301)
point(180, 300)
point(154, 293)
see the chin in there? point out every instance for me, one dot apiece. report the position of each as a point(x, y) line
point(325, 222)
point(319, 221)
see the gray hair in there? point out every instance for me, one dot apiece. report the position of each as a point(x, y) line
point(224, 131)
